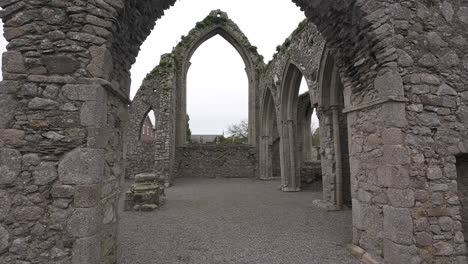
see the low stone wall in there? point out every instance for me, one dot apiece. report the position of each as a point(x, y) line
point(216, 161)
point(311, 171)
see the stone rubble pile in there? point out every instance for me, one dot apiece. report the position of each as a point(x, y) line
point(146, 194)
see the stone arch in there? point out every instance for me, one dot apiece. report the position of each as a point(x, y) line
point(380, 59)
point(305, 110)
point(269, 135)
point(334, 135)
point(217, 23)
point(289, 98)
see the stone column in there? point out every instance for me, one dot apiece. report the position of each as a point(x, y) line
point(60, 135)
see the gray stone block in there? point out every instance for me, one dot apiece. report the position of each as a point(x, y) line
point(38, 103)
point(399, 198)
point(28, 213)
point(84, 222)
point(389, 84)
point(4, 239)
point(398, 225)
point(59, 64)
point(394, 253)
point(87, 250)
point(13, 62)
point(45, 173)
point(10, 165)
point(101, 64)
point(82, 166)
point(87, 196)
point(8, 105)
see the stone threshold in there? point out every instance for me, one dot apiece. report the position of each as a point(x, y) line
point(361, 254)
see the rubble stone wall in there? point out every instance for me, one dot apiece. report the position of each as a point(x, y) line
point(157, 93)
point(216, 160)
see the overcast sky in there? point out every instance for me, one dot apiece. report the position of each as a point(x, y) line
point(217, 88)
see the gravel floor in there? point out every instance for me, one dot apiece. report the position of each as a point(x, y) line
point(217, 221)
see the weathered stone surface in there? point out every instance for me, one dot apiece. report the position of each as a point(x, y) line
point(45, 173)
point(434, 173)
point(87, 250)
point(401, 198)
point(13, 62)
point(398, 225)
point(4, 239)
point(60, 64)
point(395, 253)
point(38, 103)
point(12, 137)
point(5, 204)
point(9, 87)
point(54, 136)
point(10, 165)
point(54, 16)
point(87, 196)
point(393, 176)
point(101, 62)
point(389, 84)
point(84, 37)
point(82, 166)
point(443, 249)
point(7, 107)
point(28, 213)
point(145, 177)
point(51, 91)
point(62, 191)
point(84, 222)
point(229, 161)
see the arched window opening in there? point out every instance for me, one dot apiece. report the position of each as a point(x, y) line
point(334, 136)
point(270, 163)
point(148, 127)
point(217, 93)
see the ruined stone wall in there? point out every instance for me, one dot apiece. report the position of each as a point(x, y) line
point(217, 23)
point(140, 159)
point(157, 93)
point(216, 160)
point(303, 49)
point(406, 206)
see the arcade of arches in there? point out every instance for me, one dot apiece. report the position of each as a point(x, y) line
point(388, 81)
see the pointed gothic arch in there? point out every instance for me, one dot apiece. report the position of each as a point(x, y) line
point(216, 23)
point(269, 137)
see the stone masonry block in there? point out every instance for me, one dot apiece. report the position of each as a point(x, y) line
point(389, 84)
point(395, 253)
point(393, 176)
point(396, 155)
point(82, 166)
point(101, 62)
point(87, 196)
point(10, 165)
point(85, 222)
point(401, 198)
point(7, 107)
point(398, 225)
point(13, 62)
point(45, 173)
point(87, 250)
point(394, 114)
